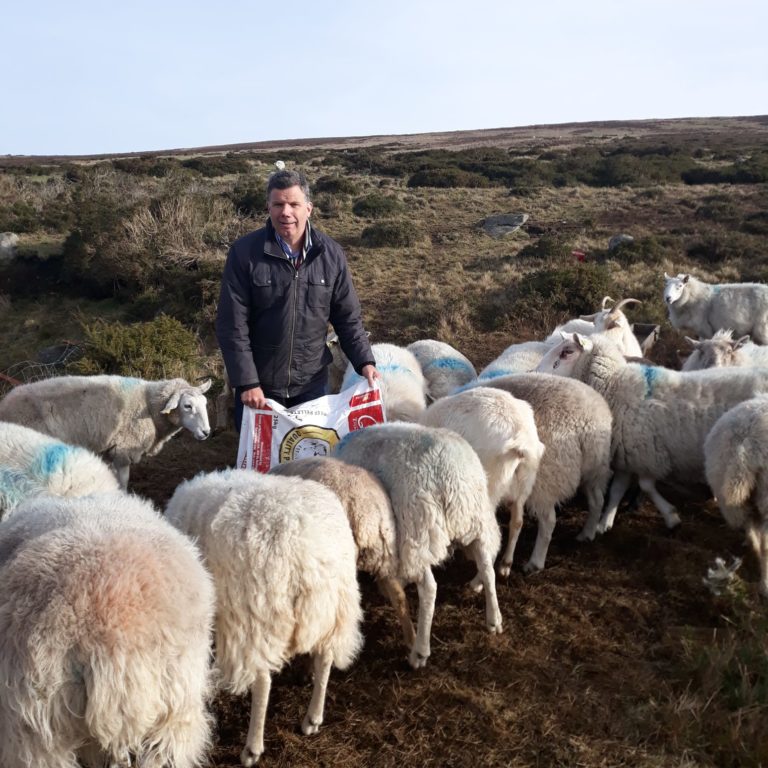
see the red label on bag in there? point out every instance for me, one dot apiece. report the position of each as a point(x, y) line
point(262, 442)
point(365, 417)
point(371, 396)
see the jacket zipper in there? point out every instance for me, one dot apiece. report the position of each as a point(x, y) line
point(293, 325)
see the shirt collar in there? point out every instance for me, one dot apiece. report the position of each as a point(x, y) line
point(305, 247)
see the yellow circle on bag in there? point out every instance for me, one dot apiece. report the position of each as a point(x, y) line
point(302, 442)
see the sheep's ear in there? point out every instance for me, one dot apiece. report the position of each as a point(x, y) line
point(740, 342)
point(205, 386)
point(666, 276)
point(565, 336)
point(693, 342)
point(589, 317)
point(583, 342)
point(686, 278)
point(173, 402)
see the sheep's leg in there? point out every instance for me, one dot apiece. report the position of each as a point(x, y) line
point(393, 590)
point(254, 743)
point(427, 587)
point(546, 525)
point(515, 526)
point(485, 571)
point(122, 472)
point(321, 663)
point(758, 538)
point(120, 758)
point(668, 512)
point(619, 485)
point(595, 498)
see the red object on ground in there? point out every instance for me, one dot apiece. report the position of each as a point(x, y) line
point(579, 255)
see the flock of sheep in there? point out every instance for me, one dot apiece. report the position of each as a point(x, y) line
point(107, 608)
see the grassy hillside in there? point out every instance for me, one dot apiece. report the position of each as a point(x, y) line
point(615, 655)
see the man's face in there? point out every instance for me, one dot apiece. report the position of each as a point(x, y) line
point(289, 211)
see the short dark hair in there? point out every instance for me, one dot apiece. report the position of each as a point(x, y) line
point(286, 180)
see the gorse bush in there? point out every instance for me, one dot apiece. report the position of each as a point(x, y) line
point(159, 349)
point(250, 198)
point(376, 206)
point(335, 185)
point(218, 165)
point(447, 177)
point(571, 288)
point(390, 234)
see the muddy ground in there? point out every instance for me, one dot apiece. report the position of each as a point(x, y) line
point(588, 670)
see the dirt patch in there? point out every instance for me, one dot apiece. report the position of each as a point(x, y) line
point(585, 673)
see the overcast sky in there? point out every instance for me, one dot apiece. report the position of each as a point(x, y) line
point(92, 77)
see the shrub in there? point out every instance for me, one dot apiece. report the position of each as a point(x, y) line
point(573, 288)
point(756, 223)
point(159, 349)
point(447, 177)
point(218, 165)
point(20, 216)
point(376, 206)
point(647, 250)
point(390, 234)
point(335, 185)
point(250, 198)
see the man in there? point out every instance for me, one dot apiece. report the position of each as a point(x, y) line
point(281, 286)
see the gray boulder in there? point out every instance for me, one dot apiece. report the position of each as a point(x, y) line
point(503, 224)
point(618, 240)
point(8, 243)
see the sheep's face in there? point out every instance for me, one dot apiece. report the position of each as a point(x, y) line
point(193, 410)
point(674, 287)
point(561, 360)
point(721, 351)
point(189, 409)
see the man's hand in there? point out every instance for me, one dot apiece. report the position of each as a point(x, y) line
point(254, 398)
point(371, 374)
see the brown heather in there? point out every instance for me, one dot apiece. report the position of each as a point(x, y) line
point(615, 655)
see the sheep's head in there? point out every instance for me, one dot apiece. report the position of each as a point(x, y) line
point(187, 407)
point(720, 351)
point(562, 358)
point(612, 317)
point(674, 287)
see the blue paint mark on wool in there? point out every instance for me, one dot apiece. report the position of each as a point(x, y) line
point(494, 374)
point(15, 486)
point(716, 288)
point(448, 363)
point(651, 374)
point(51, 459)
point(127, 383)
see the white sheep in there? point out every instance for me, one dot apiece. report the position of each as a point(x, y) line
point(609, 321)
point(703, 308)
point(105, 629)
point(283, 562)
point(574, 424)
point(516, 358)
point(34, 464)
point(444, 367)
point(120, 418)
point(439, 495)
point(339, 364)
point(371, 518)
point(660, 417)
point(736, 466)
point(503, 433)
point(403, 386)
point(723, 351)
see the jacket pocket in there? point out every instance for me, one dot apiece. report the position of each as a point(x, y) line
point(262, 292)
point(318, 292)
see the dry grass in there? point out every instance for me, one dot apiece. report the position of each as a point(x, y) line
point(615, 655)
